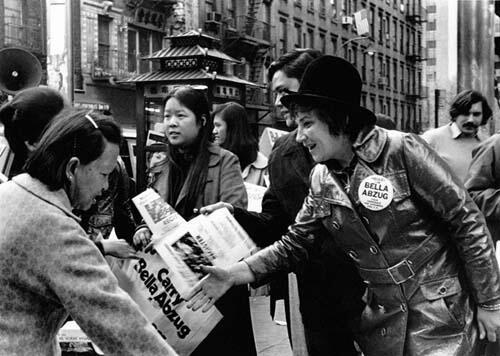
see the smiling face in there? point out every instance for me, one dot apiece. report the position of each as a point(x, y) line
point(90, 180)
point(220, 130)
point(181, 127)
point(282, 85)
point(468, 123)
point(315, 135)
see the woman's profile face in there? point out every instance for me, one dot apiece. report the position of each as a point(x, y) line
point(181, 127)
point(220, 130)
point(315, 135)
point(91, 180)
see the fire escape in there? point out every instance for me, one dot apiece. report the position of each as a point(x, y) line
point(248, 38)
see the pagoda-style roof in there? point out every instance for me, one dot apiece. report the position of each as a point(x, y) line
point(193, 37)
point(181, 75)
point(189, 52)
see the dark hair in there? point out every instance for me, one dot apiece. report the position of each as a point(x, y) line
point(463, 102)
point(70, 134)
point(239, 139)
point(385, 121)
point(196, 101)
point(26, 116)
point(293, 63)
point(339, 119)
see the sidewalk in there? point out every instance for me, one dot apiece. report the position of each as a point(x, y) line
point(271, 339)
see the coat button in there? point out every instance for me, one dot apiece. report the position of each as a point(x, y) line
point(353, 254)
point(383, 331)
point(336, 225)
point(442, 290)
point(373, 250)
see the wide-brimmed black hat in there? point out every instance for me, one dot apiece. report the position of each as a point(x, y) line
point(331, 81)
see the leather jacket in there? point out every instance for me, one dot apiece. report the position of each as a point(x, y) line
point(426, 257)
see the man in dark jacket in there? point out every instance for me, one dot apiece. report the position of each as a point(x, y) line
point(329, 288)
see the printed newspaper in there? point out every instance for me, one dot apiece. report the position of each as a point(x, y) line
point(215, 240)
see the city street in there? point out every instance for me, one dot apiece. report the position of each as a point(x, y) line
point(271, 338)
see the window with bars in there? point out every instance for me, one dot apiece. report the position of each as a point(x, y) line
point(103, 40)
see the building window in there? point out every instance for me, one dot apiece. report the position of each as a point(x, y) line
point(142, 42)
point(334, 45)
point(372, 69)
point(395, 75)
point(371, 18)
point(103, 39)
point(231, 9)
point(402, 38)
point(431, 61)
point(395, 37)
point(402, 78)
point(333, 4)
point(343, 9)
point(380, 27)
point(363, 66)
point(387, 28)
point(431, 9)
point(298, 35)
point(132, 56)
point(322, 8)
point(431, 25)
point(354, 59)
point(310, 33)
point(322, 42)
point(283, 37)
point(310, 6)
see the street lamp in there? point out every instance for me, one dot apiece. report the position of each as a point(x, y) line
point(352, 40)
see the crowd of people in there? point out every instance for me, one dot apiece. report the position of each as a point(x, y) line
point(380, 242)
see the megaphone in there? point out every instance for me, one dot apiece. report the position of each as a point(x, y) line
point(19, 69)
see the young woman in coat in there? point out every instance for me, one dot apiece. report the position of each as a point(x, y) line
point(232, 132)
point(392, 205)
point(50, 268)
point(196, 173)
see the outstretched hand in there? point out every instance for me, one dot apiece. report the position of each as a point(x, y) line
point(207, 291)
point(212, 207)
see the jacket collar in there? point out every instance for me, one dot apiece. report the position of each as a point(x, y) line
point(57, 198)
point(259, 164)
point(370, 143)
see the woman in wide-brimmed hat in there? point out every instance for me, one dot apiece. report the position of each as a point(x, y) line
point(393, 206)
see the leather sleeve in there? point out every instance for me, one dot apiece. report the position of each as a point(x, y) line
point(483, 180)
point(447, 200)
point(286, 254)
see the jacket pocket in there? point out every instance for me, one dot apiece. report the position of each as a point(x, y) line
point(446, 301)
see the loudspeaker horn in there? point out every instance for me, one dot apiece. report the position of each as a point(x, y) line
point(19, 69)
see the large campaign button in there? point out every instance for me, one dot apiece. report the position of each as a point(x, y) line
point(375, 192)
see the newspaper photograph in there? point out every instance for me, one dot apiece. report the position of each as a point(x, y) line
point(211, 240)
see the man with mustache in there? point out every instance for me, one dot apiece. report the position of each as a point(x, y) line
point(455, 141)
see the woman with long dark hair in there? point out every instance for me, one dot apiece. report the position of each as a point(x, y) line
point(232, 132)
point(196, 173)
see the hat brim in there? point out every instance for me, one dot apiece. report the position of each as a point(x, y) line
point(318, 100)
